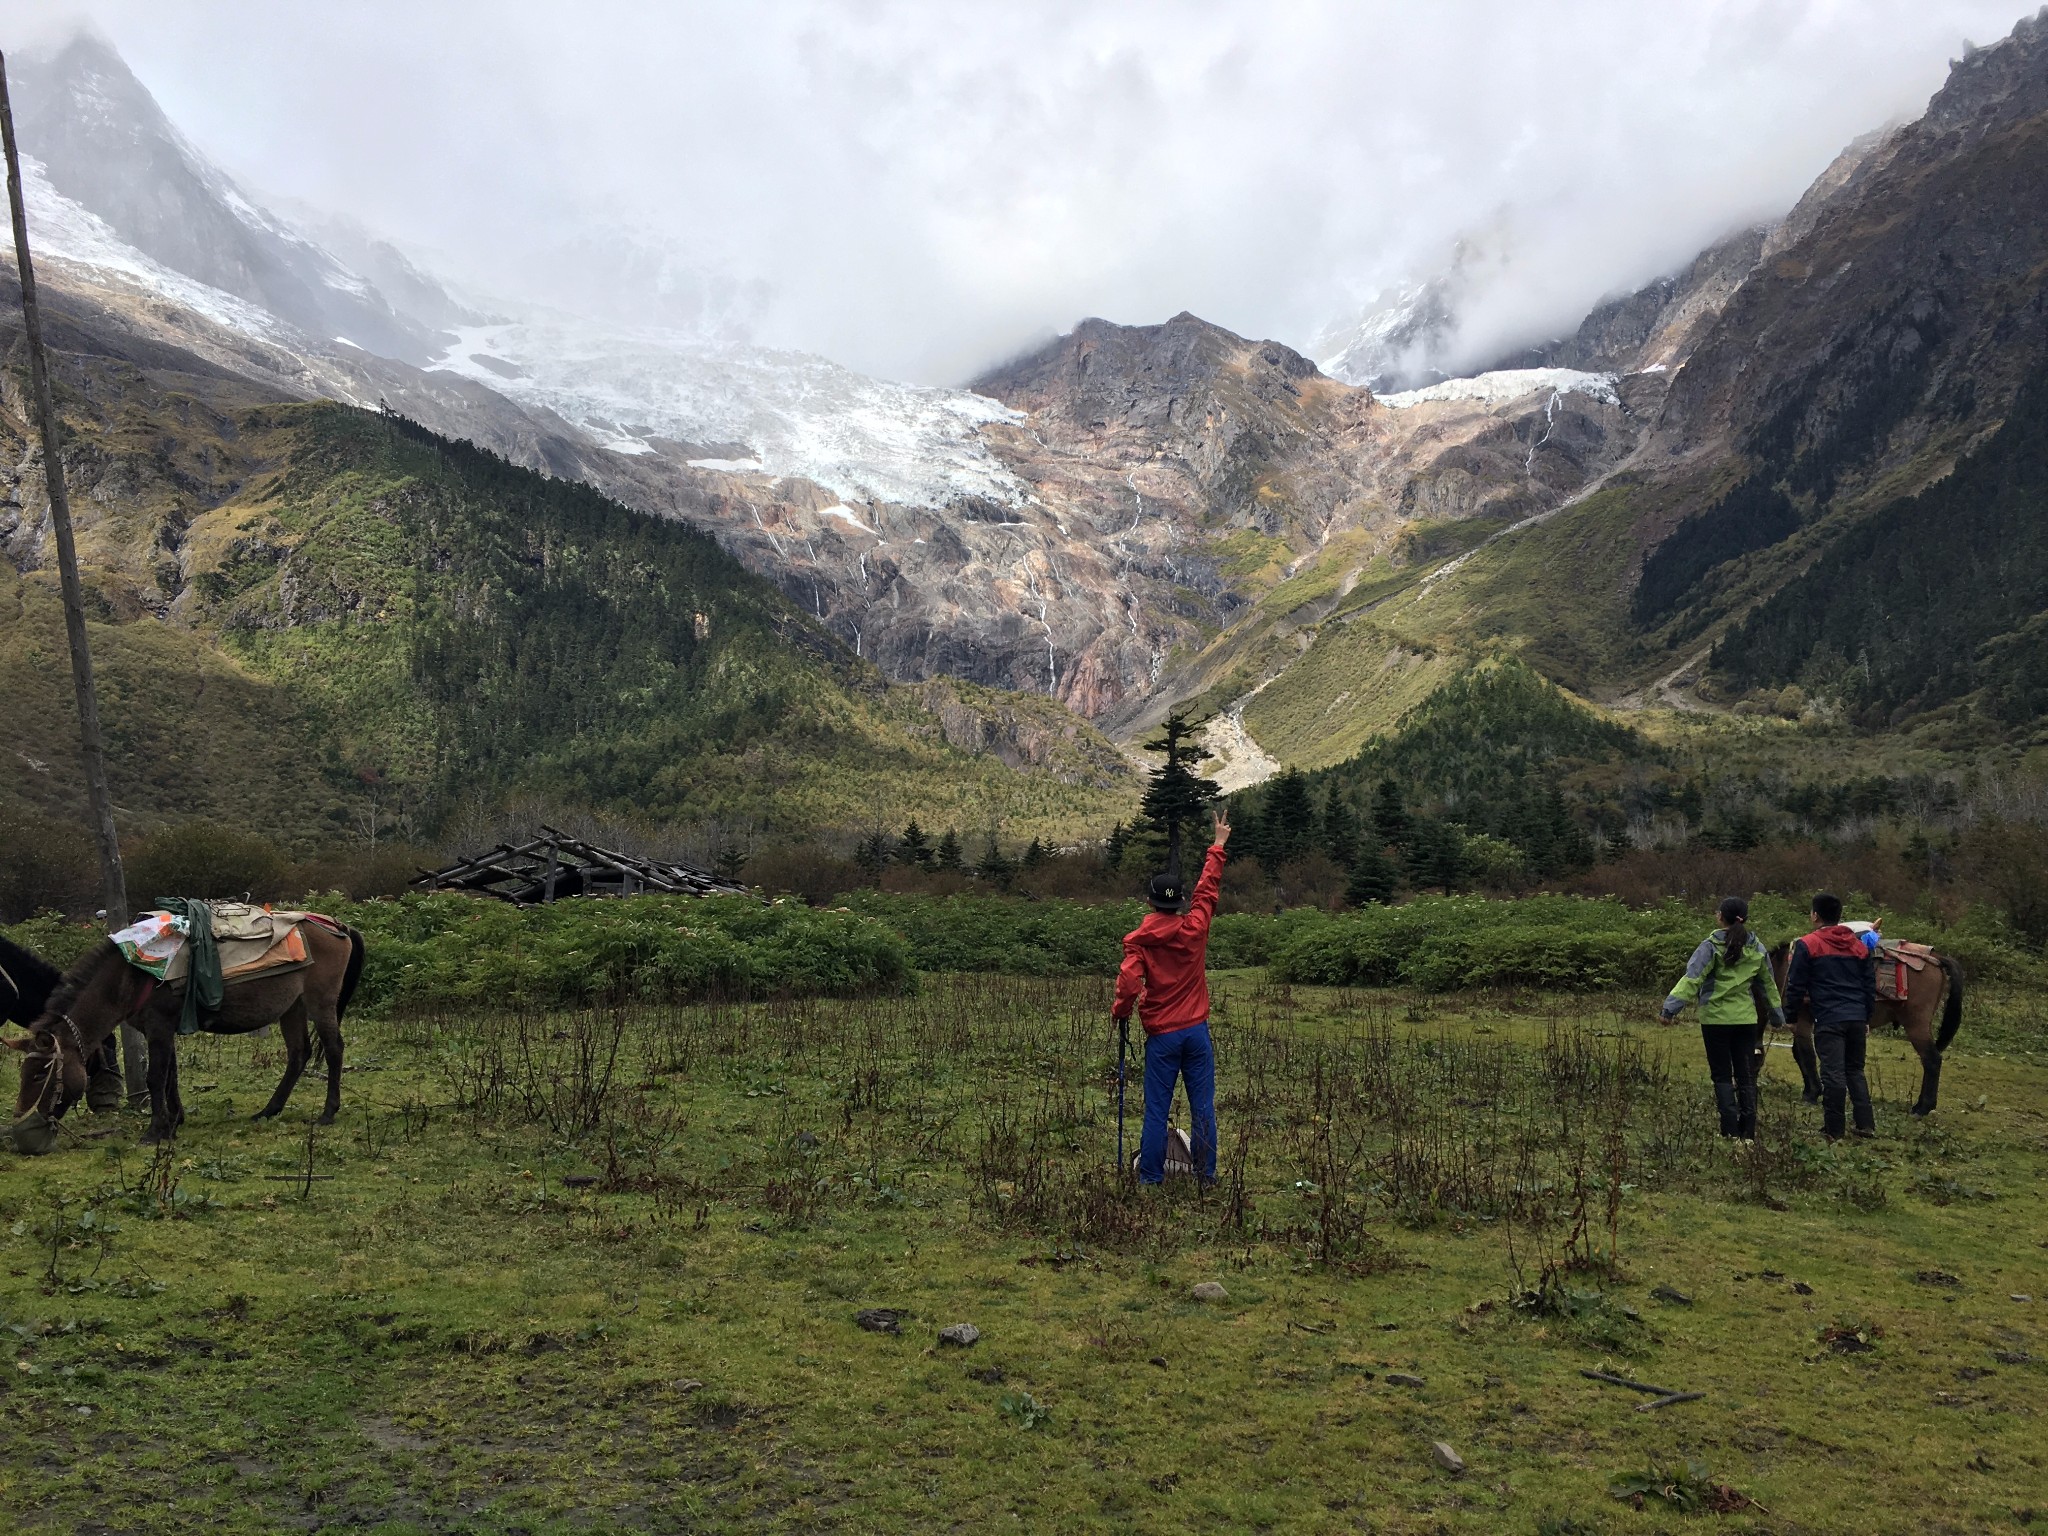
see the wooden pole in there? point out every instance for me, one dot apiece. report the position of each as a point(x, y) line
point(113, 887)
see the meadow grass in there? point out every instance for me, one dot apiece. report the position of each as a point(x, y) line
point(600, 1270)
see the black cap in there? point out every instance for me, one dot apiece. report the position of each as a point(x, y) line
point(1166, 890)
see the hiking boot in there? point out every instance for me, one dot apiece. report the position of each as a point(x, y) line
point(105, 1091)
point(1724, 1099)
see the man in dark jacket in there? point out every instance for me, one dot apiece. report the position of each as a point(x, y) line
point(1832, 979)
point(1164, 976)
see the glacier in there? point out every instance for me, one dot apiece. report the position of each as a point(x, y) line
point(1505, 384)
point(863, 439)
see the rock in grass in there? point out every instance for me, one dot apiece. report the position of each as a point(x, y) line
point(880, 1319)
point(1672, 1294)
point(1447, 1458)
point(959, 1335)
point(1403, 1379)
point(1209, 1290)
point(686, 1384)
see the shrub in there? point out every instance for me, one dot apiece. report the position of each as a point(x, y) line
point(199, 858)
point(45, 864)
point(444, 950)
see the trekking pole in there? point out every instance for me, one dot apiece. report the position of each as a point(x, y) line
point(1123, 1052)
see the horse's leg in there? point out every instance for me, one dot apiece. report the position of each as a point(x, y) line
point(173, 1100)
point(1808, 1059)
point(1919, 1020)
point(292, 1025)
point(321, 1011)
point(160, 1058)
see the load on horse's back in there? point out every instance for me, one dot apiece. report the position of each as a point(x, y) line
point(1918, 989)
point(224, 968)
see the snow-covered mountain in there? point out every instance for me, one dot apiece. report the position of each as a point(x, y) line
point(106, 145)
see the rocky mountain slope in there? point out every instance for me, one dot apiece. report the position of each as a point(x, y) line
point(1136, 516)
point(1877, 346)
point(324, 621)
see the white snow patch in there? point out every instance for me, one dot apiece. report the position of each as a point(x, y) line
point(863, 439)
point(727, 466)
point(847, 514)
point(626, 445)
point(347, 343)
point(64, 231)
point(1507, 384)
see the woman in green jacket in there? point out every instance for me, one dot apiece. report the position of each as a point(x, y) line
point(1730, 978)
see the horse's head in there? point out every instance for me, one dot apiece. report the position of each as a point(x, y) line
point(52, 1074)
point(93, 998)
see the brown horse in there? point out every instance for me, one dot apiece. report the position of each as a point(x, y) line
point(1915, 1014)
point(102, 990)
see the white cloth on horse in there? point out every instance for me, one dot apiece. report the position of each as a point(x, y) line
point(152, 942)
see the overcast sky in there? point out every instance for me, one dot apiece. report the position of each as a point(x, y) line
point(919, 189)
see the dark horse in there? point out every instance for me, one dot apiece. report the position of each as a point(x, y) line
point(26, 982)
point(1915, 1014)
point(103, 990)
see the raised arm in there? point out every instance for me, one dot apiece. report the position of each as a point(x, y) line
point(1207, 889)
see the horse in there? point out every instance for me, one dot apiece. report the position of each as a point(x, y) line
point(103, 990)
point(26, 982)
point(1915, 1013)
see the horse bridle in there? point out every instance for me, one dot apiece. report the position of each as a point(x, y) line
point(55, 1076)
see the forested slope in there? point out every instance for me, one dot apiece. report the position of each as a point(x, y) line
point(399, 628)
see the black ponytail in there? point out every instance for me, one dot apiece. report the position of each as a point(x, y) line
point(1735, 919)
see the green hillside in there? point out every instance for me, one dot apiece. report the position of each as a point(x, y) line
point(378, 623)
point(1935, 602)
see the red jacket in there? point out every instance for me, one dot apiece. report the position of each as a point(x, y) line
point(1164, 958)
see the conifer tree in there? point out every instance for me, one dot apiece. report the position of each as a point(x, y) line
point(1177, 796)
point(730, 863)
point(1288, 823)
point(913, 847)
point(1391, 822)
point(993, 865)
point(1340, 831)
point(1113, 845)
point(1436, 855)
point(871, 854)
point(948, 855)
point(1373, 876)
point(1035, 854)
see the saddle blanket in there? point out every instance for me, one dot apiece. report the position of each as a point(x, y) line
point(252, 940)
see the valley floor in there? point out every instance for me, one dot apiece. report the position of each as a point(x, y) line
point(601, 1272)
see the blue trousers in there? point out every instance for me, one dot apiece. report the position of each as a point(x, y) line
point(1187, 1055)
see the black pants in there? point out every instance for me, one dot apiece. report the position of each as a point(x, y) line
point(1840, 1048)
point(1731, 1051)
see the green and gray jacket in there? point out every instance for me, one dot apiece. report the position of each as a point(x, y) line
point(1727, 991)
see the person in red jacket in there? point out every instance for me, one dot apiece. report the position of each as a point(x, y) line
point(1164, 978)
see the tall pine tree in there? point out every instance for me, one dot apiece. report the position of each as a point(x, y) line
point(1177, 796)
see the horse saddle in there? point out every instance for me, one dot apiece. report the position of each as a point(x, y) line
point(251, 941)
point(1898, 960)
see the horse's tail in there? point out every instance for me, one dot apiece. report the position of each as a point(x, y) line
point(352, 975)
point(1952, 1009)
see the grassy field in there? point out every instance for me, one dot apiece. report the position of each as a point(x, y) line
point(600, 1271)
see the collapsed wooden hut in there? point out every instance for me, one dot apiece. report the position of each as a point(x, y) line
point(555, 864)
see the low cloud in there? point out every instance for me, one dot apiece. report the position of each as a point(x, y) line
point(918, 189)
